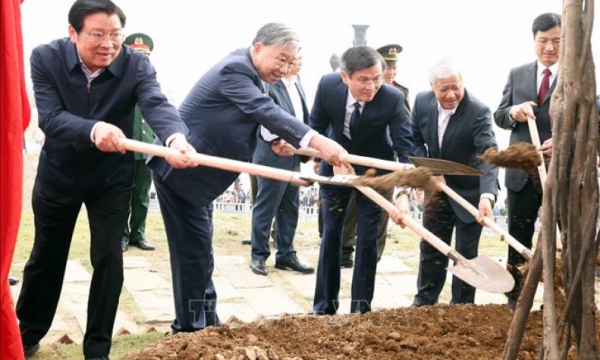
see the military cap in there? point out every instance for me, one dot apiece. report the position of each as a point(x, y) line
point(390, 52)
point(140, 42)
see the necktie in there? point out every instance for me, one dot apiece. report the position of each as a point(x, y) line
point(354, 117)
point(544, 86)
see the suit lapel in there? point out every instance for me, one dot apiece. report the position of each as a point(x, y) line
point(286, 97)
point(453, 124)
point(551, 90)
point(303, 101)
point(339, 97)
point(432, 117)
point(530, 81)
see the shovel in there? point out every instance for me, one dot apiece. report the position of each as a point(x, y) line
point(441, 167)
point(293, 177)
point(535, 140)
point(480, 272)
point(436, 166)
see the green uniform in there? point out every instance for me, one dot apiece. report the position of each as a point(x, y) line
point(140, 198)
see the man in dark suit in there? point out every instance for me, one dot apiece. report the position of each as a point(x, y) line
point(134, 233)
point(86, 88)
point(276, 199)
point(450, 123)
point(223, 112)
point(355, 108)
point(524, 97)
point(390, 55)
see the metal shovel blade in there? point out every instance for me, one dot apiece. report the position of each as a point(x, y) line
point(445, 167)
point(484, 273)
point(344, 180)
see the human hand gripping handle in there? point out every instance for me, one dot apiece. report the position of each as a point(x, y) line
point(182, 158)
point(331, 151)
point(485, 210)
point(106, 138)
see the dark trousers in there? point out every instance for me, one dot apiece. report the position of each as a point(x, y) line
point(189, 234)
point(349, 235)
point(140, 200)
point(433, 265)
point(523, 208)
point(55, 215)
point(274, 200)
point(334, 201)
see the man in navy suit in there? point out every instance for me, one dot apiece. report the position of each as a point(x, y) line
point(224, 111)
point(276, 199)
point(449, 123)
point(86, 88)
point(520, 101)
point(355, 108)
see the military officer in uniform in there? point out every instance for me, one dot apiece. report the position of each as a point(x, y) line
point(390, 55)
point(134, 234)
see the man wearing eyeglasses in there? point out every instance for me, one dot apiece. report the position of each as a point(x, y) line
point(355, 108)
point(86, 87)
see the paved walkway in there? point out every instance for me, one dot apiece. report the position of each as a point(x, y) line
point(242, 294)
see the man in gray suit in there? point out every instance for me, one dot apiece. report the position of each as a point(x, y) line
point(524, 97)
point(449, 123)
point(223, 112)
point(276, 199)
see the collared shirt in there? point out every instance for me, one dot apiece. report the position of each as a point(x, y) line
point(540, 74)
point(443, 119)
point(294, 94)
point(350, 101)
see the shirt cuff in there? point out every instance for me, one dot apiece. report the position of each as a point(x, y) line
point(307, 138)
point(93, 131)
point(490, 197)
point(173, 137)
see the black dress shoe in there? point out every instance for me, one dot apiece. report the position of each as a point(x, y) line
point(13, 280)
point(347, 263)
point(246, 242)
point(98, 358)
point(143, 245)
point(291, 262)
point(259, 267)
point(124, 246)
point(29, 350)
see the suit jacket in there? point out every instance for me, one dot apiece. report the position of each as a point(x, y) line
point(372, 138)
point(468, 134)
point(521, 87)
point(223, 112)
point(69, 107)
point(280, 95)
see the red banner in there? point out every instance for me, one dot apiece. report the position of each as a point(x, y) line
point(14, 118)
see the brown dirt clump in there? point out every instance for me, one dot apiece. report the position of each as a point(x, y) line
point(430, 332)
point(520, 155)
point(421, 178)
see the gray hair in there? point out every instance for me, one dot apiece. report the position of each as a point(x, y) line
point(277, 34)
point(443, 69)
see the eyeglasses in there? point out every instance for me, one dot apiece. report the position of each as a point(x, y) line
point(97, 37)
point(364, 81)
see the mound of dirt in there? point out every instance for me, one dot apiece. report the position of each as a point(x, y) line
point(431, 332)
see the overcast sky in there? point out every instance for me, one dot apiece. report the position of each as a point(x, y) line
point(487, 38)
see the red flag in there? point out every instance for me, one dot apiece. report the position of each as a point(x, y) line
point(14, 118)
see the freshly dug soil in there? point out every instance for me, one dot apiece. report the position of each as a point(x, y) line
point(520, 155)
point(430, 332)
point(421, 178)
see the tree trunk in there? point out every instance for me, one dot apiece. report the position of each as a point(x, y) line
point(572, 190)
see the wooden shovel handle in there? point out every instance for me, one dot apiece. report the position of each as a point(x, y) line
point(525, 252)
point(218, 162)
point(355, 159)
point(411, 224)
